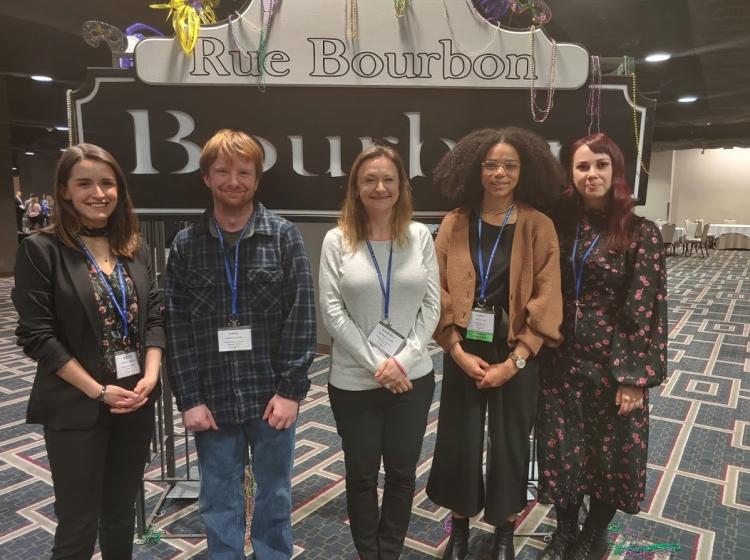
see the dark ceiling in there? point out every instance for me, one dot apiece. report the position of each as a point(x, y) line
point(709, 41)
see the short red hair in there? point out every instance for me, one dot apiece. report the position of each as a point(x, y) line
point(231, 143)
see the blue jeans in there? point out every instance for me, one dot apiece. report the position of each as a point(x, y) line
point(222, 455)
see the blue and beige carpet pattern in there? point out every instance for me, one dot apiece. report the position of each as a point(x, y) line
point(698, 504)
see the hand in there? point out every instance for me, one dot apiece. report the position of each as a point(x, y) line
point(143, 389)
point(146, 385)
point(628, 398)
point(199, 419)
point(392, 377)
point(281, 412)
point(122, 401)
point(497, 375)
point(473, 366)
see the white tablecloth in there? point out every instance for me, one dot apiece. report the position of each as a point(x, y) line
point(730, 236)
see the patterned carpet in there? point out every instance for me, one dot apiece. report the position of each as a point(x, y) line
point(698, 504)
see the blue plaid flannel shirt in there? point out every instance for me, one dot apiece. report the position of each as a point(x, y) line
point(275, 299)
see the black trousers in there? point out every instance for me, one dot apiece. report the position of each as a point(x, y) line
point(96, 474)
point(375, 425)
point(456, 479)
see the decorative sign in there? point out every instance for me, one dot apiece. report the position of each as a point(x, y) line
point(438, 43)
point(431, 90)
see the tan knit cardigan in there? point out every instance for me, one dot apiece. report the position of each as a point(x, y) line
point(535, 306)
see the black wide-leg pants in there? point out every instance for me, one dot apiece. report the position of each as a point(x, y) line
point(456, 480)
point(96, 474)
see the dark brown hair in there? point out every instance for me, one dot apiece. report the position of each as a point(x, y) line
point(66, 223)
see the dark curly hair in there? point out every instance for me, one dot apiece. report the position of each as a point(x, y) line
point(458, 173)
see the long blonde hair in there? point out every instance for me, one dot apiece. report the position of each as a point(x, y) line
point(353, 219)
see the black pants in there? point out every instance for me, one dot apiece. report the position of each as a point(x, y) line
point(456, 479)
point(375, 425)
point(96, 474)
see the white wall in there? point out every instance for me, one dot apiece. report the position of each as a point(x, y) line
point(709, 184)
point(712, 184)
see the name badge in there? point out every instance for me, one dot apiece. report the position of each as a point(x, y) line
point(481, 325)
point(127, 364)
point(235, 339)
point(385, 339)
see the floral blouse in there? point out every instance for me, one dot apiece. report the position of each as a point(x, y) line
point(112, 339)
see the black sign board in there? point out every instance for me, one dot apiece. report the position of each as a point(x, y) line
point(312, 134)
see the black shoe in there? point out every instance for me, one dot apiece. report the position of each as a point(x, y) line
point(592, 543)
point(458, 545)
point(502, 542)
point(563, 537)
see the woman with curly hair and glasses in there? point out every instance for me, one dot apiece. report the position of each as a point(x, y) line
point(499, 264)
point(593, 412)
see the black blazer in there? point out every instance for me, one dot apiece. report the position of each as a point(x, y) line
point(58, 321)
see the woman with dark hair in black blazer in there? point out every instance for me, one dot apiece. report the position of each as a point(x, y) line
point(90, 315)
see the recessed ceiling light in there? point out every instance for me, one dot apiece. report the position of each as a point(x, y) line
point(61, 128)
point(29, 153)
point(708, 124)
point(14, 168)
point(687, 99)
point(658, 57)
point(40, 78)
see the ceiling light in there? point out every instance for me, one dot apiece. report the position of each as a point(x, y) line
point(29, 153)
point(14, 168)
point(61, 128)
point(658, 57)
point(687, 99)
point(40, 78)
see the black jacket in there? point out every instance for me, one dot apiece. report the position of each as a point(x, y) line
point(58, 321)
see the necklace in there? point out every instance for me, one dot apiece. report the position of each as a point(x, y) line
point(543, 113)
point(594, 106)
point(352, 19)
point(95, 232)
point(496, 213)
point(401, 6)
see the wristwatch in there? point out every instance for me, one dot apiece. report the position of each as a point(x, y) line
point(517, 360)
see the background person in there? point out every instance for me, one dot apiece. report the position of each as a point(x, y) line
point(593, 412)
point(90, 315)
point(500, 279)
point(380, 301)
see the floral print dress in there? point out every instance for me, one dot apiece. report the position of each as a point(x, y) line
point(616, 334)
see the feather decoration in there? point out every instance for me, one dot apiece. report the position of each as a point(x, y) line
point(187, 17)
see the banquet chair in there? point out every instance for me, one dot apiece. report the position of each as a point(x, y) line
point(699, 241)
point(667, 235)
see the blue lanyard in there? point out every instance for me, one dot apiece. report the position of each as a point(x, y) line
point(578, 267)
point(122, 306)
point(385, 288)
point(232, 279)
point(484, 275)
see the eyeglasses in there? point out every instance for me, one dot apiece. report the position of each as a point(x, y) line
point(493, 166)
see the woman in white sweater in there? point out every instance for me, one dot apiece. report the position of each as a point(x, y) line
point(380, 301)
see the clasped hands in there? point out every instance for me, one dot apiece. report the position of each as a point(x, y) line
point(392, 377)
point(123, 401)
point(485, 375)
